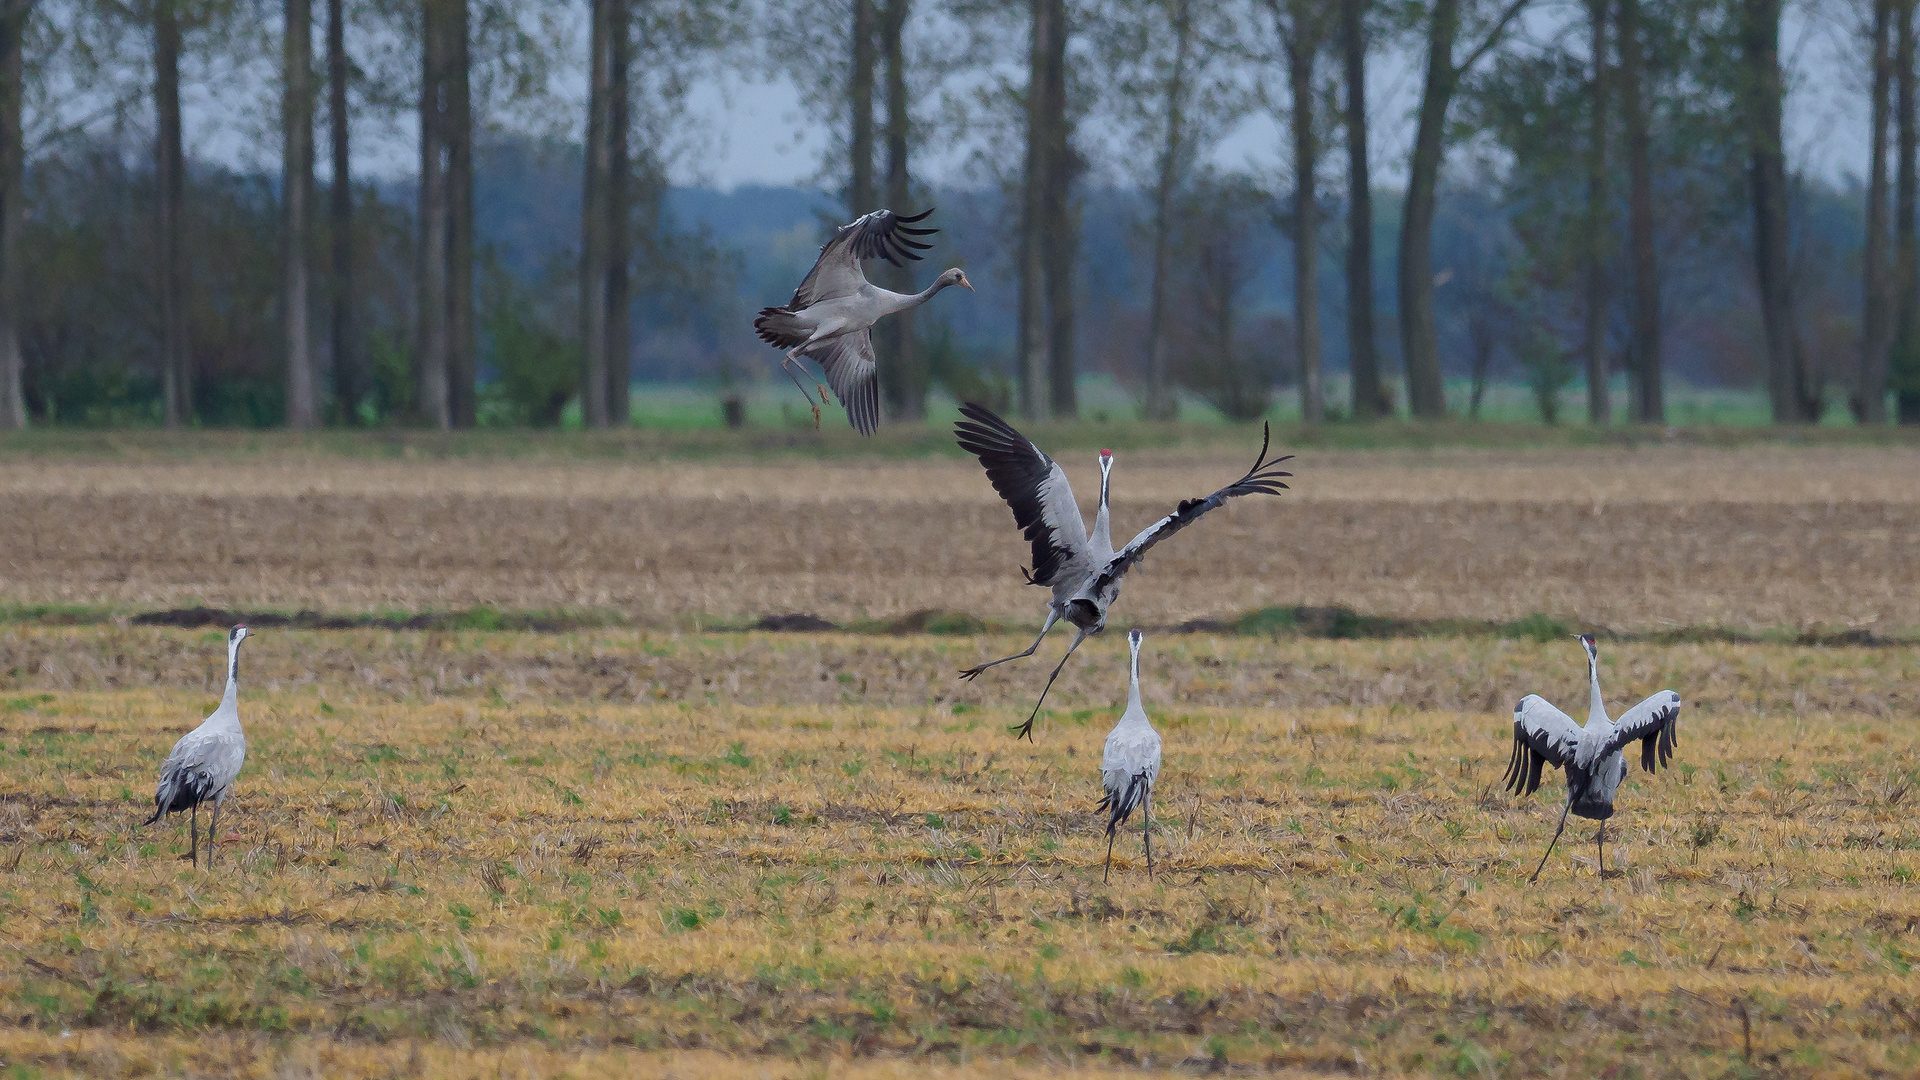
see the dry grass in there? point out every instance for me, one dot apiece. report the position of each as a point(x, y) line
point(1762, 537)
point(622, 853)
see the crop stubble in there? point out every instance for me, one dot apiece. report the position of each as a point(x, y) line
point(470, 854)
point(1629, 539)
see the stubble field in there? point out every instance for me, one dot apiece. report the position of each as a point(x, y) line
point(655, 850)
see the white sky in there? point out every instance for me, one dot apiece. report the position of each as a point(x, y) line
point(750, 131)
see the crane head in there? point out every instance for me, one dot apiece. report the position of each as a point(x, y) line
point(238, 633)
point(1134, 637)
point(1106, 460)
point(1587, 642)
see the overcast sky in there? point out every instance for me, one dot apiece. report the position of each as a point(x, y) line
point(756, 132)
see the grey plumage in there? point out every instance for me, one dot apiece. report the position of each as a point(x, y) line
point(205, 762)
point(1591, 755)
point(1082, 570)
point(831, 313)
point(1130, 765)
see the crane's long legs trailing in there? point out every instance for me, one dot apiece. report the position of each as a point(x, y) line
point(1146, 828)
point(1550, 843)
point(1026, 729)
point(213, 831)
point(193, 835)
point(787, 366)
point(1106, 874)
point(1052, 617)
point(1602, 838)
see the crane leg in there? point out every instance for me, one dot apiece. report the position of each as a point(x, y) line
point(1602, 858)
point(1550, 843)
point(787, 366)
point(193, 835)
point(1146, 828)
point(213, 831)
point(1106, 874)
point(1052, 617)
point(1026, 729)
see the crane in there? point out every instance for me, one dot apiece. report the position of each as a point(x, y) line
point(1591, 755)
point(1083, 571)
point(205, 761)
point(835, 306)
point(1130, 764)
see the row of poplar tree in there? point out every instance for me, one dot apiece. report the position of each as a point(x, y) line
point(1625, 103)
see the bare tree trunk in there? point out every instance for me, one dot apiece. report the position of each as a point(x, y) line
point(860, 190)
point(1160, 404)
point(1369, 396)
point(431, 404)
point(1030, 349)
point(1060, 233)
point(1649, 389)
point(1906, 279)
point(1302, 46)
point(593, 221)
point(170, 175)
point(296, 170)
point(462, 364)
point(1419, 335)
point(902, 376)
point(348, 385)
point(619, 209)
point(1595, 228)
point(1787, 384)
point(13, 24)
point(1869, 400)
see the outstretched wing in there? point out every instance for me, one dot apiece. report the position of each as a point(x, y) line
point(882, 234)
point(1655, 722)
point(1542, 735)
point(1035, 486)
point(1263, 479)
point(848, 362)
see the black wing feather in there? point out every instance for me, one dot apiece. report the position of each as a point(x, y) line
point(1118, 805)
point(884, 235)
point(1265, 478)
point(1018, 470)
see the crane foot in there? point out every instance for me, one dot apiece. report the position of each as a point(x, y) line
point(1022, 731)
point(972, 671)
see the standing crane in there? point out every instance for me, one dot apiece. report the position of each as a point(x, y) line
point(1130, 765)
point(1083, 571)
point(832, 311)
point(205, 761)
point(1591, 755)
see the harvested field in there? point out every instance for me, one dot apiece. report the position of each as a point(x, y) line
point(1630, 539)
point(624, 853)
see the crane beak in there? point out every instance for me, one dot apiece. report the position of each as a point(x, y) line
point(965, 284)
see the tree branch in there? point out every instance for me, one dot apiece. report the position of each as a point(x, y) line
point(1498, 30)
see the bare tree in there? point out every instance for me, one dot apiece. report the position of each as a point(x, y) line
point(1301, 27)
point(594, 239)
point(349, 382)
point(1060, 225)
point(1419, 334)
point(1795, 398)
point(619, 211)
point(296, 233)
point(860, 187)
point(13, 28)
point(1645, 362)
point(1032, 368)
point(1594, 228)
point(1905, 355)
point(462, 367)
point(170, 174)
point(902, 375)
point(1869, 399)
point(1370, 399)
point(431, 368)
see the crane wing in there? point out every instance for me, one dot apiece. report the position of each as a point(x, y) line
point(1263, 479)
point(1655, 723)
point(1542, 735)
point(1035, 486)
point(882, 234)
point(848, 362)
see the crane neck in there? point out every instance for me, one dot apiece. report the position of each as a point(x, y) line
point(230, 701)
point(1134, 704)
point(1596, 709)
point(1102, 520)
